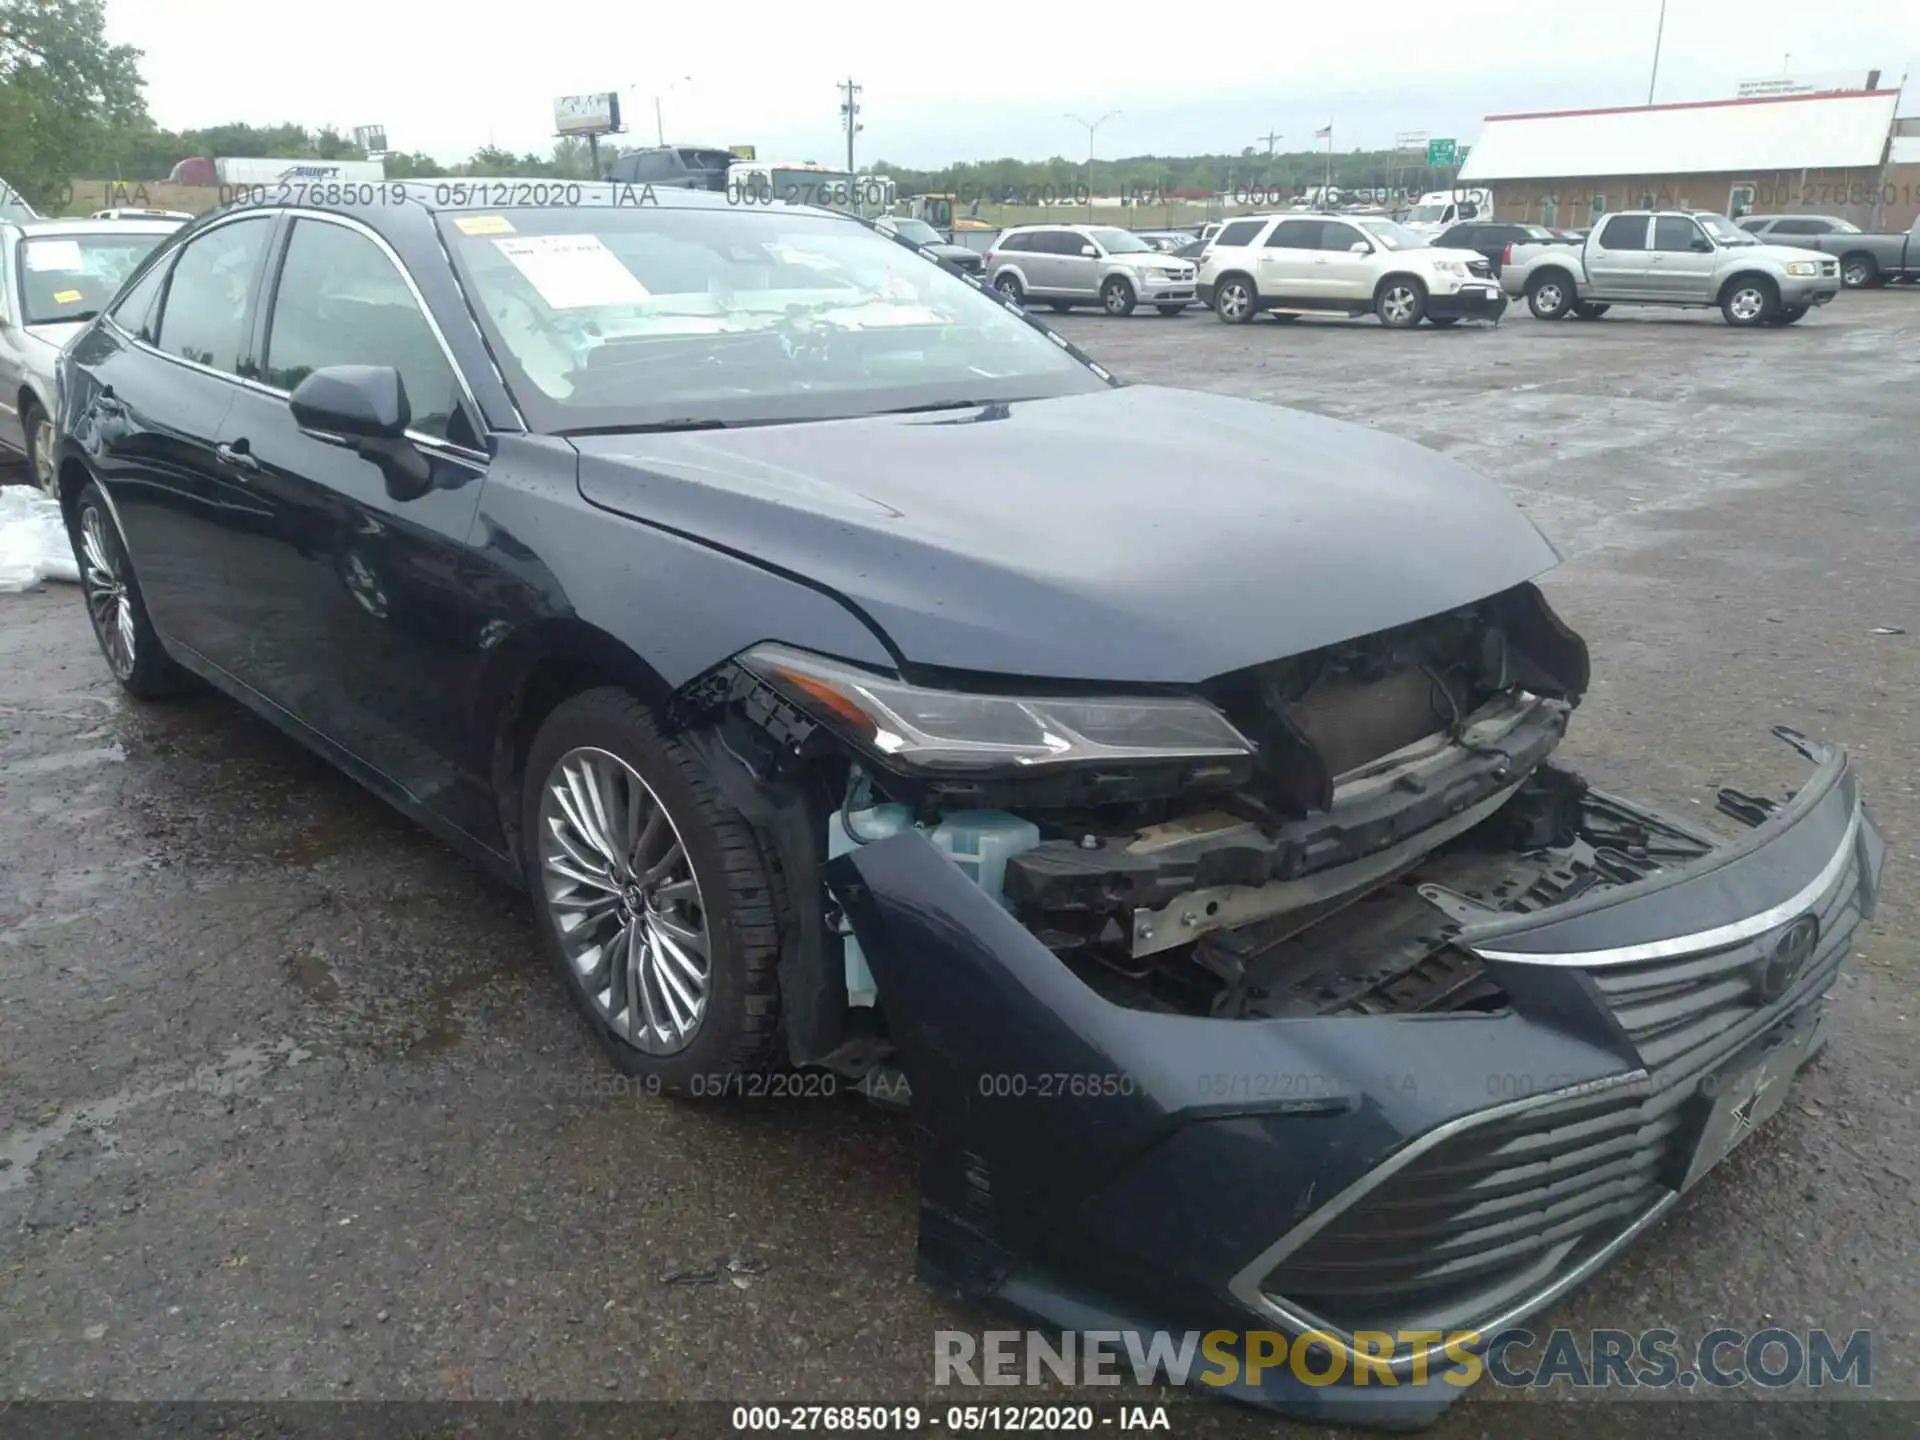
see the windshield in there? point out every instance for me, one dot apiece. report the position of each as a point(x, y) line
point(1429, 213)
point(1120, 242)
point(1725, 231)
point(72, 277)
point(918, 231)
point(1394, 237)
point(608, 319)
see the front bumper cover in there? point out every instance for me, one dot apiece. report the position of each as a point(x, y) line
point(1083, 1164)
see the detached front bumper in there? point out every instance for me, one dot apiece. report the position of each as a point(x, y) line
point(1095, 1167)
point(1475, 300)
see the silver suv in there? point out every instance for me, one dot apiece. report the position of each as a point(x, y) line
point(1068, 265)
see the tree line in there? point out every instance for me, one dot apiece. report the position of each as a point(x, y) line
point(71, 108)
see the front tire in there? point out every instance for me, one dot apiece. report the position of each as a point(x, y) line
point(1401, 303)
point(1751, 301)
point(1549, 297)
point(1007, 287)
point(115, 606)
point(39, 432)
point(1117, 297)
point(654, 897)
point(1233, 300)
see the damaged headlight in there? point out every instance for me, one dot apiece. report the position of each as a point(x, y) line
point(950, 731)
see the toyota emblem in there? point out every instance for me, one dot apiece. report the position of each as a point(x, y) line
point(1774, 975)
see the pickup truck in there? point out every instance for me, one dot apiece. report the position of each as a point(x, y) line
point(1865, 260)
point(1670, 257)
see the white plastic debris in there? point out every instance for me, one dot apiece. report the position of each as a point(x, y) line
point(33, 541)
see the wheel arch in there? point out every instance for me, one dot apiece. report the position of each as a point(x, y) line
point(1253, 286)
point(1738, 276)
point(533, 674)
point(1553, 272)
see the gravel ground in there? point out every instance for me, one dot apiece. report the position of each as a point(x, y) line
point(290, 1107)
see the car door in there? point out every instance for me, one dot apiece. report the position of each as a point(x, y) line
point(164, 374)
point(357, 604)
point(1039, 262)
point(1340, 274)
point(1681, 261)
point(1289, 261)
point(1616, 257)
point(1078, 270)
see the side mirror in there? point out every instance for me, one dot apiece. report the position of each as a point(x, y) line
point(1703, 245)
point(1090, 252)
point(360, 402)
point(364, 408)
point(1360, 247)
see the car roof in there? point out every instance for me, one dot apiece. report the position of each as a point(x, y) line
point(1769, 219)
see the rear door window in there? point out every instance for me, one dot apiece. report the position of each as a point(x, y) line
point(1239, 232)
point(1625, 232)
point(1295, 235)
point(204, 315)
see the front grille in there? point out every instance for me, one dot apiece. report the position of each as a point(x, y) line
point(1490, 1216)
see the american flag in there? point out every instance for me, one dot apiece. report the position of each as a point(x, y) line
point(1325, 132)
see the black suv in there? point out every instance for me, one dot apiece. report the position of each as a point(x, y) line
point(1492, 237)
point(686, 167)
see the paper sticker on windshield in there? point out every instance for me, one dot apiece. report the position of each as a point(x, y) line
point(53, 255)
point(484, 225)
point(573, 272)
point(67, 297)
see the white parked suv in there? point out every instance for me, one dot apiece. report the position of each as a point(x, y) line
point(1354, 264)
point(1069, 265)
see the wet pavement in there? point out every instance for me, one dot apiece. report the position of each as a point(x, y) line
point(291, 1107)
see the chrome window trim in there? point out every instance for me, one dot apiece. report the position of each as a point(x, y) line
point(1245, 1285)
point(1720, 936)
point(261, 387)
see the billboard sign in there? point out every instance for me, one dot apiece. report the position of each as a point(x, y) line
point(1820, 83)
point(596, 114)
point(371, 138)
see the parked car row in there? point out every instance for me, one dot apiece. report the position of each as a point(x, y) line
point(806, 633)
point(1865, 260)
point(55, 275)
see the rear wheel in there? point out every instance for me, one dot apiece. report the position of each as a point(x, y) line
point(1857, 272)
point(1233, 301)
point(654, 897)
point(1549, 297)
point(115, 605)
point(1588, 310)
point(1401, 303)
point(1117, 297)
point(1750, 300)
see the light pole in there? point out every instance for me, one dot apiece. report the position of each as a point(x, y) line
point(1092, 125)
point(659, 125)
point(1659, 31)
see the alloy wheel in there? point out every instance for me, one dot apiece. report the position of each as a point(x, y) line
point(1856, 274)
point(1397, 305)
point(1547, 297)
point(108, 604)
point(1232, 301)
point(1747, 303)
point(42, 448)
point(626, 901)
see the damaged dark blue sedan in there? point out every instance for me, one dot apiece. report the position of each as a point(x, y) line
point(1155, 791)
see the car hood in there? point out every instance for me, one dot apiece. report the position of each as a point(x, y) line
point(954, 252)
point(1775, 251)
point(1137, 534)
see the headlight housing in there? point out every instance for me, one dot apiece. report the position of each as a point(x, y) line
point(1803, 267)
point(912, 728)
point(1450, 267)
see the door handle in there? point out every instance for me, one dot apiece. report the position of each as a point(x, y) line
point(239, 455)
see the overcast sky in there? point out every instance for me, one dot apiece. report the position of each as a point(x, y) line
point(447, 79)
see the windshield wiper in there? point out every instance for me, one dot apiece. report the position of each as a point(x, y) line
point(941, 405)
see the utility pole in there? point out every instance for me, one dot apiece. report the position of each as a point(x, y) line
point(850, 116)
point(1092, 125)
point(1269, 138)
point(1659, 31)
